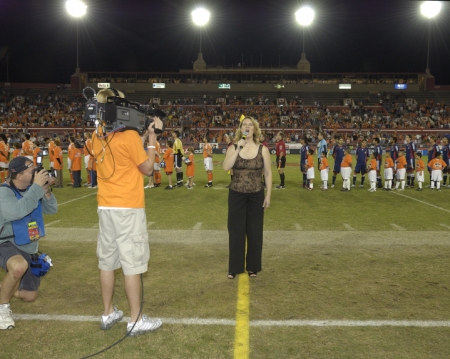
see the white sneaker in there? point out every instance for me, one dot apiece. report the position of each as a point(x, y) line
point(149, 186)
point(6, 320)
point(332, 186)
point(143, 326)
point(361, 186)
point(108, 321)
point(352, 186)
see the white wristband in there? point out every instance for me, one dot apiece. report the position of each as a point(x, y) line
point(148, 147)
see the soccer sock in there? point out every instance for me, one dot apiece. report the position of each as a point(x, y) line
point(354, 180)
point(397, 185)
point(181, 177)
point(403, 184)
point(420, 184)
point(311, 185)
point(282, 179)
point(324, 184)
point(432, 184)
point(209, 177)
point(304, 179)
point(372, 185)
point(389, 184)
point(89, 177)
point(334, 180)
point(445, 180)
point(412, 181)
point(438, 184)
point(409, 179)
point(379, 181)
point(363, 178)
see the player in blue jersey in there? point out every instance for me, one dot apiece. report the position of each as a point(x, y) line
point(304, 152)
point(338, 153)
point(394, 155)
point(321, 148)
point(362, 155)
point(378, 152)
point(410, 154)
point(432, 150)
point(445, 150)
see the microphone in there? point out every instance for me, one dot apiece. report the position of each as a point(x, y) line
point(244, 136)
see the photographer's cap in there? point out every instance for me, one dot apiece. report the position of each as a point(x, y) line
point(18, 164)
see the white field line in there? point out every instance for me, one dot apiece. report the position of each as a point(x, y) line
point(348, 227)
point(418, 200)
point(254, 323)
point(197, 226)
point(445, 226)
point(51, 223)
point(298, 227)
point(397, 227)
point(76, 199)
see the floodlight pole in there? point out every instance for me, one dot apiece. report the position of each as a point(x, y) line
point(77, 45)
point(427, 70)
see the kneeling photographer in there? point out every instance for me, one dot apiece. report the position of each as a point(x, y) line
point(23, 201)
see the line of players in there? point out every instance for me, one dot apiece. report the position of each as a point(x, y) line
point(397, 164)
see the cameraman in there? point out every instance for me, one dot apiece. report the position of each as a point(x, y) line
point(123, 237)
point(22, 204)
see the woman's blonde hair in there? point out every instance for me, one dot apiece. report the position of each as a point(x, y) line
point(103, 95)
point(256, 131)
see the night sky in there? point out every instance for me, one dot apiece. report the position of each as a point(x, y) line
point(39, 37)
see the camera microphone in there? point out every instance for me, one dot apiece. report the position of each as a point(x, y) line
point(244, 136)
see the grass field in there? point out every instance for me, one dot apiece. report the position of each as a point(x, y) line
point(345, 275)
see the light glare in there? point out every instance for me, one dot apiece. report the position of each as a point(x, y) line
point(200, 16)
point(430, 9)
point(305, 16)
point(76, 8)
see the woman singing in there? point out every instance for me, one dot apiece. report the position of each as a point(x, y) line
point(249, 160)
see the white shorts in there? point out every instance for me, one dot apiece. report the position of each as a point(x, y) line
point(208, 163)
point(324, 175)
point(86, 161)
point(420, 177)
point(372, 176)
point(388, 174)
point(310, 173)
point(4, 165)
point(401, 172)
point(346, 172)
point(436, 175)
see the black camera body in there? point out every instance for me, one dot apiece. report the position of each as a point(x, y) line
point(39, 166)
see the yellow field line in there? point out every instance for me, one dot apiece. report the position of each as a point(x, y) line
point(241, 335)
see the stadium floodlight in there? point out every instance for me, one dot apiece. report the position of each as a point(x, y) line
point(430, 9)
point(305, 17)
point(200, 17)
point(77, 9)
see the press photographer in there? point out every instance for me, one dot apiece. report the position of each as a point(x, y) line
point(23, 201)
point(121, 162)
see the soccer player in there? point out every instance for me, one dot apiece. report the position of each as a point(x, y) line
point(394, 154)
point(362, 155)
point(372, 169)
point(388, 171)
point(74, 164)
point(207, 161)
point(310, 169)
point(190, 170)
point(420, 167)
point(338, 155)
point(321, 147)
point(280, 152)
point(410, 151)
point(154, 180)
point(401, 171)
point(346, 170)
point(27, 147)
point(324, 168)
point(4, 157)
point(17, 150)
point(378, 156)
point(178, 153)
point(70, 150)
point(432, 154)
point(51, 154)
point(36, 152)
point(436, 165)
point(58, 163)
point(304, 151)
point(169, 160)
point(445, 150)
point(87, 156)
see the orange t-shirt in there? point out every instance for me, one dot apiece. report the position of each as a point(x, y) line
point(323, 163)
point(207, 147)
point(157, 152)
point(88, 147)
point(70, 149)
point(420, 166)
point(436, 164)
point(401, 162)
point(51, 149)
point(372, 165)
point(310, 161)
point(3, 152)
point(347, 161)
point(190, 170)
point(27, 148)
point(168, 158)
point(58, 154)
point(35, 153)
point(388, 163)
point(17, 152)
point(120, 182)
point(75, 157)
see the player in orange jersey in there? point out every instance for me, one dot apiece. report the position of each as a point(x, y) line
point(401, 171)
point(346, 170)
point(207, 161)
point(75, 164)
point(17, 150)
point(36, 151)
point(437, 165)
point(324, 169)
point(169, 159)
point(87, 159)
point(372, 167)
point(310, 169)
point(58, 164)
point(388, 171)
point(70, 149)
point(27, 147)
point(4, 157)
point(420, 168)
point(154, 180)
point(190, 170)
